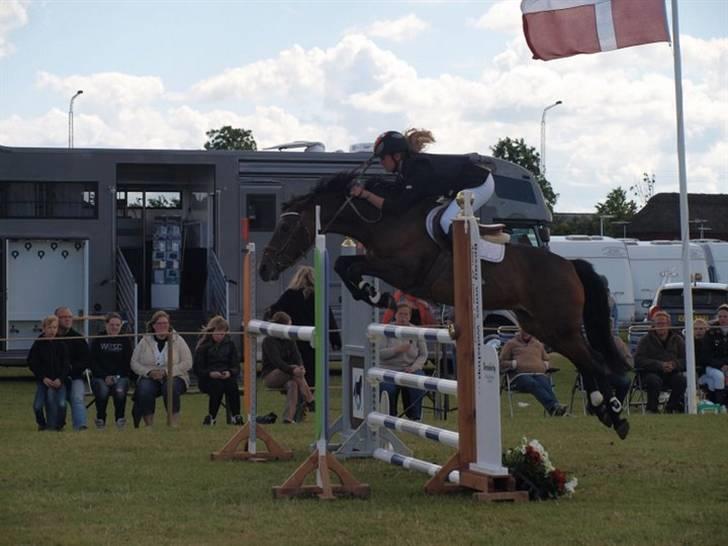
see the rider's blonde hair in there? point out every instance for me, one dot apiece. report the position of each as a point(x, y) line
point(418, 139)
point(303, 280)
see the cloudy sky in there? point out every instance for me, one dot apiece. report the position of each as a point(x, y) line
point(158, 74)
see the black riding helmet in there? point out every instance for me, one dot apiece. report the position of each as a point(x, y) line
point(390, 143)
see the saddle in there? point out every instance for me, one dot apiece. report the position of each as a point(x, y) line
point(492, 233)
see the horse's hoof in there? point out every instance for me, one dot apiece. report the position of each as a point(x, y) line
point(602, 414)
point(622, 428)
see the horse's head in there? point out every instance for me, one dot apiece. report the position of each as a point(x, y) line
point(296, 229)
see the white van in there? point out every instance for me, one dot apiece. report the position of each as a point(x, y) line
point(609, 258)
point(716, 254)
point(655, 263)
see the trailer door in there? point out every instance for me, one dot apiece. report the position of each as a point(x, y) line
point(41, 275)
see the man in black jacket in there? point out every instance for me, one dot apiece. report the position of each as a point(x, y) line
point(78, 353)
point(660, 361)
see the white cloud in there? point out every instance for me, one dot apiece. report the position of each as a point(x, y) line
point(403, 29)
point(616, 122)
point(13, 14)
point(503, 16)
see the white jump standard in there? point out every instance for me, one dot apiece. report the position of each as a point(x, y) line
point(477, 464)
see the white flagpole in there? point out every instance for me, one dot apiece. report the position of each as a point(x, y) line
point(684, 217)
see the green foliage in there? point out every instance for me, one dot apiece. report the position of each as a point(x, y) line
point(157, 486)
point(230, 138)
point(644, 189)
point(617, 205)
point(584, 225)
point(520, 153)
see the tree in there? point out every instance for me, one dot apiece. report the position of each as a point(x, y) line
point(230, 138)
point(617, 205)
point(520, 153)
point(644, 189)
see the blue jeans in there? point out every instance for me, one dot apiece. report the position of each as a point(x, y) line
point(54, 401)
point(39, 403)
point(148, 390)
point(102, 391)
point(539, 385)
point(75, 391)
point(411, 399)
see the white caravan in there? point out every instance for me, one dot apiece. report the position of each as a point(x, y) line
point(609, 258)
point(655, 263)
point(716, 254)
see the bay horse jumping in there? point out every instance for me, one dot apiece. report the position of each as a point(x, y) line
point(552, 297)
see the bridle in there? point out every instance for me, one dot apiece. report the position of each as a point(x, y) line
point(276, 253)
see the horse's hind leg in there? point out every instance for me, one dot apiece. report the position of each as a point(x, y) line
point(574, 347)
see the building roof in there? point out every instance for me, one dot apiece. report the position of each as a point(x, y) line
point(662, 214)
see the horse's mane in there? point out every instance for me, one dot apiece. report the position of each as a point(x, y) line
point(340, 184)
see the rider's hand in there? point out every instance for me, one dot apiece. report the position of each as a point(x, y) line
point(357, 190)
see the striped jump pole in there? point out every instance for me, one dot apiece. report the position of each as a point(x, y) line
point(248, 435)
point(439, 335)
point(449, 438)
point(321, 462)
point(411, 463)
point(414, 381)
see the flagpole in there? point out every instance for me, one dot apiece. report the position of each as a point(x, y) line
point(691, 406)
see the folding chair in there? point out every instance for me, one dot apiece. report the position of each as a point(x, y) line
point(507, 385)
point(578, 386)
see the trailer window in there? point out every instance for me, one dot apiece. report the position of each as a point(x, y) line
point(24, 199)
point(261, 209)
point(514, 189)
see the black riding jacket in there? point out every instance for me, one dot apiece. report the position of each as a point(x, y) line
point(424, 176)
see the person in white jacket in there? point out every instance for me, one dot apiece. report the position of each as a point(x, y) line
point(149, 362)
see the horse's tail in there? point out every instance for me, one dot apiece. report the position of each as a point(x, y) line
point(596, 317)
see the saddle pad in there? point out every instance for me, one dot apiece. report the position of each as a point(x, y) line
point(491, 252)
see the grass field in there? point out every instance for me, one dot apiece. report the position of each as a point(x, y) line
point(666, 484)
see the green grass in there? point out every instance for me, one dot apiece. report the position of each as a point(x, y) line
point(666, 484)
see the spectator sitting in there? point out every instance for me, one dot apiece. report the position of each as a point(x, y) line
point(525, 360)
point(283, 367)
point(78, 353)
point(660, 361)
point(298, 303)
point(110, 370)
point(716, 341)
point(149, 362)
point(48, 360)
point(421, 313)
point(217, 366)
point(403, 355)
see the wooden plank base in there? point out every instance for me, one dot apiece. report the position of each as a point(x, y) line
point(231, 450)
point(323, 463)
point(485, 487)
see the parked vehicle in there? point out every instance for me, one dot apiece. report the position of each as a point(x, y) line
point(654, 263)
point(716, 254)
point(707, 297)
point(609, 258)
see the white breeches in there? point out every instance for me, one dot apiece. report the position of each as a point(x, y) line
point(481, 194)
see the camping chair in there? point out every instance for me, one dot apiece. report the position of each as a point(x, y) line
point(578, 386)
point(510, 389)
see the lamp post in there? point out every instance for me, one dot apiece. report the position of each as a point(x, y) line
point(70, 118)
point(700, 223)
point(603, 217)
point(543, 136)
point(624, 224)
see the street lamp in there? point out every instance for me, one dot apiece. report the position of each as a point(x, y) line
point(543, 136)
point(603, 217)
point(70, 118)
point(624, 224)
point(700, 222)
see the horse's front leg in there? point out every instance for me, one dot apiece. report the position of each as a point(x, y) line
point(352, 270)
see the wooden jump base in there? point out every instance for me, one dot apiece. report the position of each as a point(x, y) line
point(321, 464)
point(243, 445)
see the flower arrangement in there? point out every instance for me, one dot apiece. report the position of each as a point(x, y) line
point(531, 466)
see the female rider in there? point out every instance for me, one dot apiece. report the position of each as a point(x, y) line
point(425, 175)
